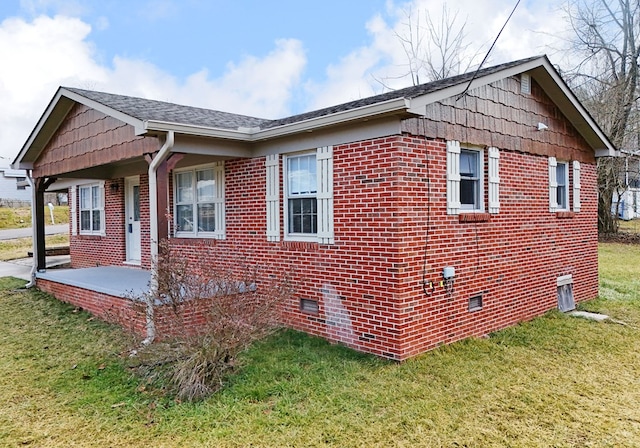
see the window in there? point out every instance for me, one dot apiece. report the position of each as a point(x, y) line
point(465, 179)
point(21, 181)
point(470, 180)
point(199, 202)
point(308, 197)
point(92, 209)
point(560, 185)
point(302, 187)
point(562, 190)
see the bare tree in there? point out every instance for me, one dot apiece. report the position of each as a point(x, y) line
point(434, 49)
point(606, 37)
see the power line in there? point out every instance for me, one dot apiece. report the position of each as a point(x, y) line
point(488, 52)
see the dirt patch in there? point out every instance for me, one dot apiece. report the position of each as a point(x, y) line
point(620, 237)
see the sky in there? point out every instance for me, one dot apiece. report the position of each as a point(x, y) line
point(263, 58)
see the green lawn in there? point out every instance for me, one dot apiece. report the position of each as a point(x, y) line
point(20, 217)
point(555, 381)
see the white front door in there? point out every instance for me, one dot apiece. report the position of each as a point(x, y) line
point(132, 218)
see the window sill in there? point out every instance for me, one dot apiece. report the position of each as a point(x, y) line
point(199, 236)
point(302, 246)
point(91, 236)
point(565, 215)
point(474, 217)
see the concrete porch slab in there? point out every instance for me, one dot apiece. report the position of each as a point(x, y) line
point(115, 281)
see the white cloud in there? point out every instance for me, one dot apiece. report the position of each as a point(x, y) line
point(45, 52)
point(37, 57)
point(533, 30)
point(41, 54)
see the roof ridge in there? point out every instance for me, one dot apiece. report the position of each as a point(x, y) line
point(164, 111)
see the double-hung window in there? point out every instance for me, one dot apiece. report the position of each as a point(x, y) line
point(562, 187)
point(302, 189)
point(465, 179)
point(560, 184)
point(199, 202)
point(92, 209)
point(308, 196)
point(470, 180)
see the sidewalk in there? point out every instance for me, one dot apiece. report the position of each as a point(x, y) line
point(21, 268)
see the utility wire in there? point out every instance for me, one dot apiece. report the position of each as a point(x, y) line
point(486, 56)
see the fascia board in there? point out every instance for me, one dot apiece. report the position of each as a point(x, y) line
point(254, 135)
point(601, 143)
point(189, 129)
point(57, 102)
point(607, 148)
point(126, 118)
point(386, 107)
point(418, 103)
point(58, 108)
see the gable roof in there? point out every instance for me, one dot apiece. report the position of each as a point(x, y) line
point(149, 116)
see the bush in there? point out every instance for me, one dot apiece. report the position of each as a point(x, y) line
point(234, 304)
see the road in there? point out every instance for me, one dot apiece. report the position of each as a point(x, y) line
point(11, 234)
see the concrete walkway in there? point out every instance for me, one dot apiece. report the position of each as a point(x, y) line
point(21, 268)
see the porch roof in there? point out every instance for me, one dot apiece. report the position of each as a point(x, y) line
point(117, 281)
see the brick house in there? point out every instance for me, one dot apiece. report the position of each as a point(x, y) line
point(411, 219)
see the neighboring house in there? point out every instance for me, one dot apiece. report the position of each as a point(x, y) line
point(13, 187)
point(627, 204)
point(409, 219)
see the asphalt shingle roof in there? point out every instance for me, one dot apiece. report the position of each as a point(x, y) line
point(144, 109)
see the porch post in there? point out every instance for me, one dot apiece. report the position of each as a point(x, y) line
point(163, 200)
point(38, 211)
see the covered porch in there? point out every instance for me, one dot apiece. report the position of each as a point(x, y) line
point(117, 281)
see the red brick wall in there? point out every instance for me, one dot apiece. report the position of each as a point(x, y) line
point(110, 249)
point(391, 227)
point(130, 315)
point(369, 283)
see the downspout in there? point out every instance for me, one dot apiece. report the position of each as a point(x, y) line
point(34, 267)
point(153, 231)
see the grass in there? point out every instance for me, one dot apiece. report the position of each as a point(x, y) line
point(18, 248)
point(554, 381)
point(632, 225)
point(20, 218)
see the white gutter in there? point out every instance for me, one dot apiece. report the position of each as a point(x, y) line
point(34, 267)
point(255, 134)
point(153, 230)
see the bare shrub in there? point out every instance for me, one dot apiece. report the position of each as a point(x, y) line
point(205, 315)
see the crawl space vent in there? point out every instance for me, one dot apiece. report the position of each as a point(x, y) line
point(309, 306)
point(475, 303)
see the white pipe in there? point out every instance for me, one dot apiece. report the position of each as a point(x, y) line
point(153, 231)
point(34, 267)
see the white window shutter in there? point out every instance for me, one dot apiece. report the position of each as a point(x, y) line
point(218, 175)
point(324, 159)
point(273, 197)
point(103, 221)
point(553, 185)
point(494, 180)
point(74, 209)
point(576, 186)
point(453, 177)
